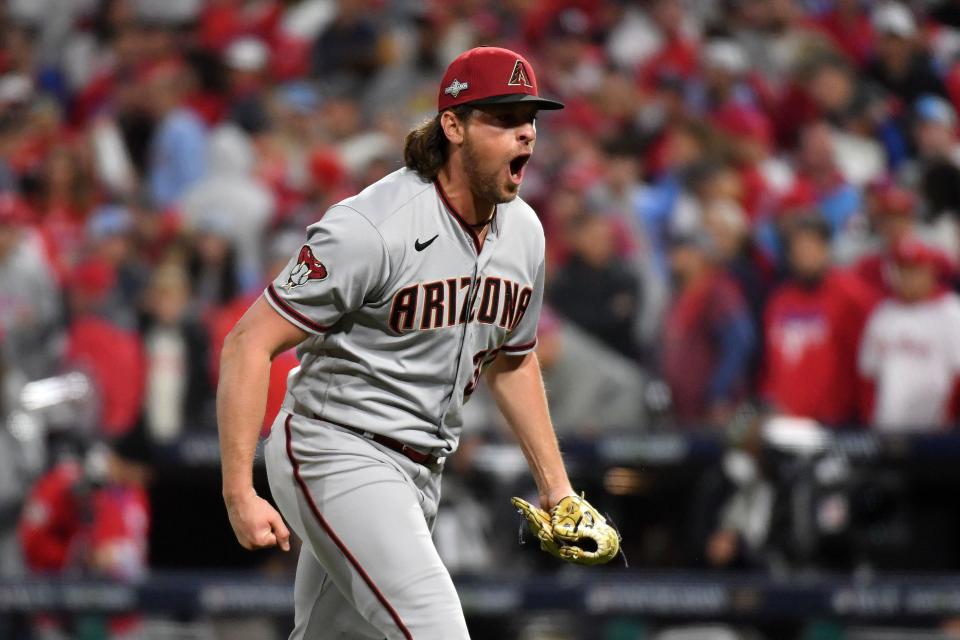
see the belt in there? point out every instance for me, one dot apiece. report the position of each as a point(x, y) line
point(419, 457)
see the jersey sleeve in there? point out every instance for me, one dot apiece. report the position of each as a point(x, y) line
point(522, 338)
point(343, 261)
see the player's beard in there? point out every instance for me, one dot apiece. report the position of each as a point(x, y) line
point(485, 186)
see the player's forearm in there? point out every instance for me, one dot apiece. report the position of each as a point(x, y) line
point(241, 403)
point(517, 387)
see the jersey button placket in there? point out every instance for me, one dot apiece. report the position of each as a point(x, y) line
point(465, 336)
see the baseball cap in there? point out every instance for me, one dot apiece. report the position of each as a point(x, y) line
point(247, 54)
point(745, 122)
point(896, 201)
point(15, 89)
point(931, 108)
point(726, 55)
point(490, 75)
point(93, 278)
point(913, 252)
point(109, 220)
point(13, 212)
point(301, 97)
point(894, 19)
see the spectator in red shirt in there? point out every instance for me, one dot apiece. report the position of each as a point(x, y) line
point(708, 337)
point(112, 356)
point(812, 328)
point(66, 193)
point(892, 213)
point(678, 55)
point(850, 28)
point(222, 319)
point(91, 517)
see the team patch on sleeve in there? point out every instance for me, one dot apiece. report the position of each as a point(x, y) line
point(307, 268)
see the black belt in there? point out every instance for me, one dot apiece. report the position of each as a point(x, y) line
point(390, 443)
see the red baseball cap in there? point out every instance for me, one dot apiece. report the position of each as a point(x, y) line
point(911, 251)
point(12, 210)
point(895, 201)
point(93, 278)
point(490, 75)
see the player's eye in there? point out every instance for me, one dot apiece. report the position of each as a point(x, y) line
point(514, 120)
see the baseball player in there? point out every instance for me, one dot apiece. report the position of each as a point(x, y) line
point(400, 299)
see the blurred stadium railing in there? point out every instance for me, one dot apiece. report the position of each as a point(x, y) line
point(681, 595)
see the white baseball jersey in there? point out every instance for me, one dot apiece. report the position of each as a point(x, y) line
point(406, 308)
point(912, 352)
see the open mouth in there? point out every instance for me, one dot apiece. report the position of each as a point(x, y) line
point(517, 165)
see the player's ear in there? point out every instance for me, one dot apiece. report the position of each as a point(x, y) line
point(452, 126)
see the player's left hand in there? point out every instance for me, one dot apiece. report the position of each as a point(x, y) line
point(573, 530)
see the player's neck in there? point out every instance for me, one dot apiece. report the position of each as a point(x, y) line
point(457, 189)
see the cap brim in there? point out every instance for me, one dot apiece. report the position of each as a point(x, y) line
point(522, 98)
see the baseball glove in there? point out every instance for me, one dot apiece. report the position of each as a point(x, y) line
point(573, 530)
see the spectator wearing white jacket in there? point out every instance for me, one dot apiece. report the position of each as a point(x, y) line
point(232, 198)
point(910, 352)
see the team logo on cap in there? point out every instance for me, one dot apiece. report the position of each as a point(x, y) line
point(456, 87)
point(307, 268)
point(519, 76)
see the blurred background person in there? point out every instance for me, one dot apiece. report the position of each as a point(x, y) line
point(90, 515)
point(738, 513)
point(893, 216)
point(593, 389)
point(910, 354)
point(176, 347)
point(901, 62)
point(596, 289)
point(30, 305)
point(812, 329)
point(110, 234)
point(935, 123)
point(112, 355)
point(938, 166)
point(708, 336)
point(230, 197)
point(178, 147)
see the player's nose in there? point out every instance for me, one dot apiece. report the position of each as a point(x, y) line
point(527, 133)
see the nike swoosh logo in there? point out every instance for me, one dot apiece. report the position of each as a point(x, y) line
point(420, 246)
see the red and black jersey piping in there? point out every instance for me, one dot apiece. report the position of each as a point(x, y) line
point(293, 313)
point(456, 214)
point(519, 347)
point(352, 559)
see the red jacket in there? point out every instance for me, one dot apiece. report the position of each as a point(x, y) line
point(64, 527)
point(812, 337)
point(114, 359)
point(691, 345)
point(221, 322)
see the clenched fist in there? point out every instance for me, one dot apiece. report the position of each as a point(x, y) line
point(256, 523)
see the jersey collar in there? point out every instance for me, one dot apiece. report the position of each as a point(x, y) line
point(471, 232)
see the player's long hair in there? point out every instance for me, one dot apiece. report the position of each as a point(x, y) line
point(426, 148)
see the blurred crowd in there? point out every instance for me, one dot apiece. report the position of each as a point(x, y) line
point(743, 200)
